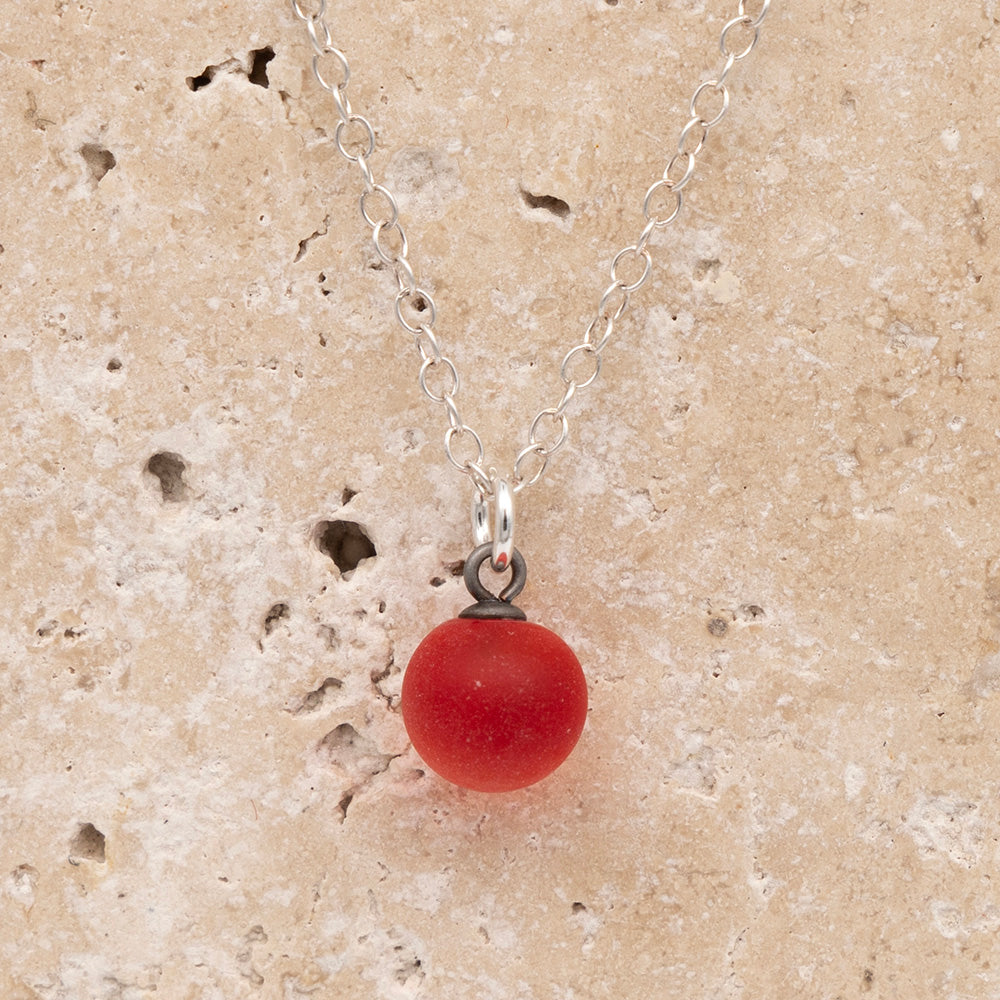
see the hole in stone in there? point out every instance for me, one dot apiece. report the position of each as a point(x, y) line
point(314, 699)
point(202, 80)
point(277, 613)
point(169, 468)
point(409, 967)
point(579, 908)
point(209, 73)
point(259, 58)
point(347, 496)
point(558, 207)
point(98, 159)
point(87, 845)
point(353, 757)
point(345, 735)
point(345, 542)
point(256, 73)
point(707, 270)
point(717, 627)
point(114, 365)
point(345, 800)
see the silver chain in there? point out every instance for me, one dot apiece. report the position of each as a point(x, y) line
point(415, 310)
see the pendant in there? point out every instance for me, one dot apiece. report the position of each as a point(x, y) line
point(491, 701)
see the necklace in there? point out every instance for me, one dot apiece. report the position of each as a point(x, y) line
point(491, 701)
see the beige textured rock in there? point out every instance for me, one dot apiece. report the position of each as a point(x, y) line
point(774, 539)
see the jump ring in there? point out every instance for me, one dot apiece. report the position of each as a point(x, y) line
point(303, 16)
point(384, 255)
point(755, 22)
point(641, 280)
point(563, 430)
point(693, 122)
point(344, 68)
point(519, 481)
point(719, 88)
point(387, 194)
point(480, 519)
point(338, 138)
point(407, 294)
point(314, 26)
point(602, 306)
point(742, 20)
point(583, 348)
point(465, 466)
point(480, 479)
point(434, 363)
point(503, 525)
point(647, 205)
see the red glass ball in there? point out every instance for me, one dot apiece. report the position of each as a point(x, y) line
point(493, 704)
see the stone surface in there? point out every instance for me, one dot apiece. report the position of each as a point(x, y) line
point(772, 539)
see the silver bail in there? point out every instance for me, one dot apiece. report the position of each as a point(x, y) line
point(480, 519)
point(503, 525)
point(501, 506)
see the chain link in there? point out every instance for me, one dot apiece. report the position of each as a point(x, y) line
point(354, 138)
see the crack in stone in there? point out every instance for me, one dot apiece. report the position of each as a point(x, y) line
point(304, 244)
